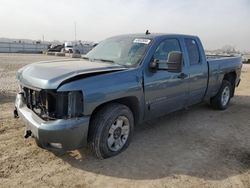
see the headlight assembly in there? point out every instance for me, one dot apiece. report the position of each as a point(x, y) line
point(75, 104)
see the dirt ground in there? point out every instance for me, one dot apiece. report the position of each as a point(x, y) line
point(198, 147)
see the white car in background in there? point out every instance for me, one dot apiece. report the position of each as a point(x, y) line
point(68, 47)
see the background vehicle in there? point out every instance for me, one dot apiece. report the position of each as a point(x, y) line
point(68, 47)
point(123, 81)
point(55, 48)
point(83, 48)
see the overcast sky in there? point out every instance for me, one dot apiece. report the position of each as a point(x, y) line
point(217, 22)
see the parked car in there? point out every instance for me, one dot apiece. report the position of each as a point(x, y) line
point(83, 48)
point(55, 48)
point(122, 82)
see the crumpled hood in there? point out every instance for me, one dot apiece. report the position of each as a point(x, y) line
point(50, 74)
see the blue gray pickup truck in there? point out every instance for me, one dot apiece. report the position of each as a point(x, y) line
point(125, 80)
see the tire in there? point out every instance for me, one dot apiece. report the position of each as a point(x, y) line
point(111, 130)
point(222, 98)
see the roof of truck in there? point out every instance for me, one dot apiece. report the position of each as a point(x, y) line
point(156, 35)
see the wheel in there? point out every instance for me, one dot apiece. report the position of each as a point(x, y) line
point(111, 130)
point(222, 99)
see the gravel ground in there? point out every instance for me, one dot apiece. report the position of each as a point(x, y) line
point(10, 63)
point(198, 147)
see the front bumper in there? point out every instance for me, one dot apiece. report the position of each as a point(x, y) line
point(70, 134)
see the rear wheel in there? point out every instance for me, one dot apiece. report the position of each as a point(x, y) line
point(111, 130)
point(222, 99)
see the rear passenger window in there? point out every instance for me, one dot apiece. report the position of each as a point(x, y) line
point(193, 51)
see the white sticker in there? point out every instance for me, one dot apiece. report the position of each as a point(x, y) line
point(142, 41)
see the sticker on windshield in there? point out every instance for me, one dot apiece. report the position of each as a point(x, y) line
point(142, 41)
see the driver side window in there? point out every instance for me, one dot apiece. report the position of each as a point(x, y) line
point(164, 48)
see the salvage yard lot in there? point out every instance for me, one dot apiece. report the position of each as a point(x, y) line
point(197, 147)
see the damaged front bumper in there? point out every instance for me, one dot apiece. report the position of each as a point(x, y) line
point(67, 134)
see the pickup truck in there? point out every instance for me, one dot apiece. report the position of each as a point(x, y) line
point(124, 81)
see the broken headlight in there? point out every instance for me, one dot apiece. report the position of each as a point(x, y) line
point(69, 104)
point(75, 104)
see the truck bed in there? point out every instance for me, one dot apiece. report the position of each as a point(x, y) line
point(217, 67)
point(212, 57)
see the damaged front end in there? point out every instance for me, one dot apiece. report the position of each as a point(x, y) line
point(54, 118)
point(51, 105)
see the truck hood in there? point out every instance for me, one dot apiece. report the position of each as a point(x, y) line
point(50, 74)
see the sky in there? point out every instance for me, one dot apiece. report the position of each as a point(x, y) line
point(216, 22)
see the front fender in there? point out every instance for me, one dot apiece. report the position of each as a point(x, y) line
point(100, 89)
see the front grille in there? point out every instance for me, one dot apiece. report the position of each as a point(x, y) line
point(50, 105)
point(41, 102)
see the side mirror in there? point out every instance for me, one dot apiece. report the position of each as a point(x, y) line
point(154, 65)
point(174, 62)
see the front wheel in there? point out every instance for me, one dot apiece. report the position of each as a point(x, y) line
point(222, 99)
point(111, 130)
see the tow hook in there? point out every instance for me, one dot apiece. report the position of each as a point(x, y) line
point(15, 113)
point(28, 133)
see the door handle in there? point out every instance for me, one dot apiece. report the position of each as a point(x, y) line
point(182, 76)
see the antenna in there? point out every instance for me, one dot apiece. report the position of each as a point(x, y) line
point(147, 32)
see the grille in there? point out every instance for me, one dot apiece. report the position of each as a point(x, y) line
point(39, 102)
point(46, 104)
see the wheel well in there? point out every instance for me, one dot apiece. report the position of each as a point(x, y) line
point(231, 77)
point(131, 102)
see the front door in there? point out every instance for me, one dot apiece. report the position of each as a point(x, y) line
point(164, 91)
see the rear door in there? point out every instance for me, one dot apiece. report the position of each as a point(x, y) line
point(164, 91)
point(197, 69)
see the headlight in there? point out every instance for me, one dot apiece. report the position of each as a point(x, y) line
point(75, 104)
point(69, 104)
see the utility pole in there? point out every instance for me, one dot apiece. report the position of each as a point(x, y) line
point(75, 31)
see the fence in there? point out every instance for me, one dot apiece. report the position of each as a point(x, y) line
point(11, 47)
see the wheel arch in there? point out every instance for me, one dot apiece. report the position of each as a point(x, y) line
point(131, 102)
point(231, 77)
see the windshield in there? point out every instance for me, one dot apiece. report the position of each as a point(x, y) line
point(122, 50)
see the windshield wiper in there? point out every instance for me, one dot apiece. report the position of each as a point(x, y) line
point(85, 57)
point(104, 60)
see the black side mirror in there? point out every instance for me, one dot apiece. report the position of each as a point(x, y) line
point(154, 65)
point(174, 62)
